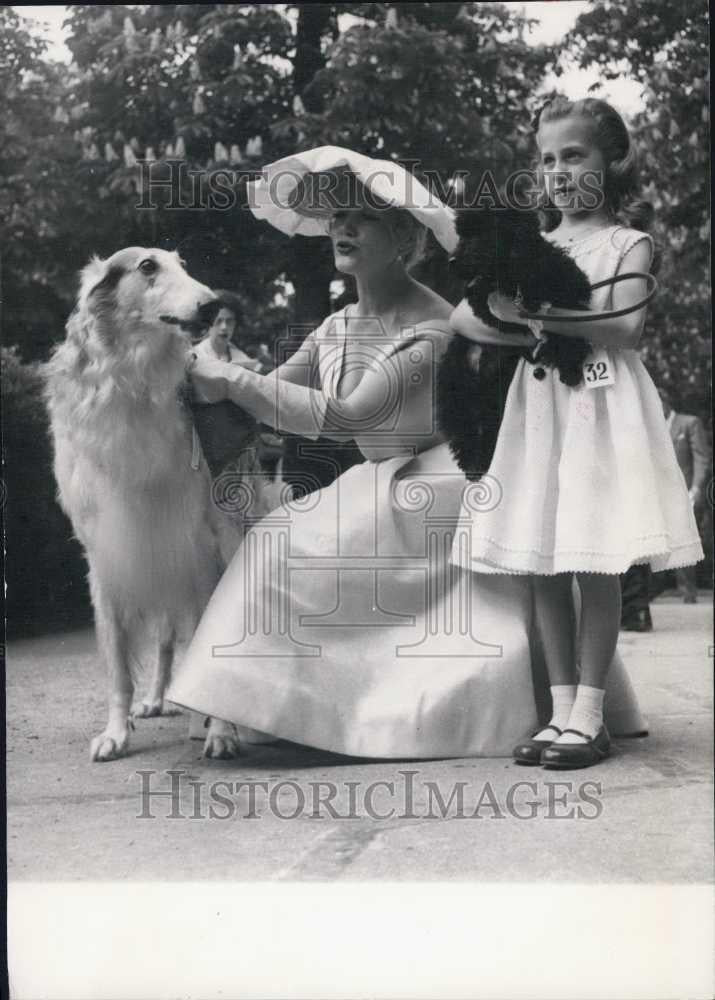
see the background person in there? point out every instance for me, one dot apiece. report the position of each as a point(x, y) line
point(218, 342)
point(636, 593)
point(694, 458)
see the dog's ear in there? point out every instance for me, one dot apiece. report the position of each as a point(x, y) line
point(529, 234)
point(106, 280)
point(97, 300)
point(91, 274)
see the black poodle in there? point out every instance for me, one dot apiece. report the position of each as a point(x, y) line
point(502, 249)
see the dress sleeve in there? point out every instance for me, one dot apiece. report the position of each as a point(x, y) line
point(626, 239)
point(299, 409)
point(285, 398)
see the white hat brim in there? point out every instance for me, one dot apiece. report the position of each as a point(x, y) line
point(282, 198)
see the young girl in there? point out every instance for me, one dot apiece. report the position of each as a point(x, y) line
point(588, 475)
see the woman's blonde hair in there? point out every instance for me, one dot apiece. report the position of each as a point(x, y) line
point(410, 234)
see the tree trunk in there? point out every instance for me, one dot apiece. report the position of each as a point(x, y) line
point(311, 270)
point(311, 267)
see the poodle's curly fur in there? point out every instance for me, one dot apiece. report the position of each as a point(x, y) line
point(502, 249)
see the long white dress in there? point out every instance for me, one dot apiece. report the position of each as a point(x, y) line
point(341, 623)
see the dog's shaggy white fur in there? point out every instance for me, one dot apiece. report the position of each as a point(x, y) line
point(131, 479)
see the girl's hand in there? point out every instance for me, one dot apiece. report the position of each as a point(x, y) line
point(209, 379)
point(504, 308)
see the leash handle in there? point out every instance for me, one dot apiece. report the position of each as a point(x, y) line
point(609, 313)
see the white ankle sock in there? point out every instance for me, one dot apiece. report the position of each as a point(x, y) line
point(562, 700)
point(586, 714)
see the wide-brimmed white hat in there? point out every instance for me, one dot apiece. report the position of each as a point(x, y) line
point(299, 193)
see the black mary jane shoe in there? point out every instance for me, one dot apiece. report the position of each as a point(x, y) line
point(568, 756)
point(529, 751)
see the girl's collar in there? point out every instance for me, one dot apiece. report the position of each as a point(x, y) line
point(571, 242)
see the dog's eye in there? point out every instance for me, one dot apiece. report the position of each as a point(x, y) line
point(148, 266)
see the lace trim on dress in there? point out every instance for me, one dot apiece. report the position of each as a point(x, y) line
point(585, 245)
point(581, 552)
point(589, 560)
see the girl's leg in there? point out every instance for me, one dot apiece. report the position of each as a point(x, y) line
point(554, 614)
point(600, 621)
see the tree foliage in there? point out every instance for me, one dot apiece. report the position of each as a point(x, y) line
point(196, 90)
point(666, 48)
point(216, 87)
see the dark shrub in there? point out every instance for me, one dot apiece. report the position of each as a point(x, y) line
point(45, 569)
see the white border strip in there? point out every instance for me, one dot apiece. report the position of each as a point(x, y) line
point(150, 941)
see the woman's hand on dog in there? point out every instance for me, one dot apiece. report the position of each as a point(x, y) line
point(209, 380)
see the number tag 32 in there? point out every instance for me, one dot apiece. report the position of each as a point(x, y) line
point(598, 371)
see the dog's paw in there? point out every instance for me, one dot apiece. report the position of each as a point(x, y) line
point(221, 741)
point(150, 708)
point(112, 744)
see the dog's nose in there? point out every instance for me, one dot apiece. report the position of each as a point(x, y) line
point(208, 311)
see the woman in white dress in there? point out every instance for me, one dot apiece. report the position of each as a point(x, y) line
point(341, 623)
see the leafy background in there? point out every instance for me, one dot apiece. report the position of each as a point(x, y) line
point(232, 86)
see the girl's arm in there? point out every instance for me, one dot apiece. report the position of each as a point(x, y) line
point(622, 331)
point(464, 322)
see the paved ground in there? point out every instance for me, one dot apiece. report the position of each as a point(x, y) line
point(645, 815)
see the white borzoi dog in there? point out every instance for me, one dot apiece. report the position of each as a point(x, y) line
point(131, 475)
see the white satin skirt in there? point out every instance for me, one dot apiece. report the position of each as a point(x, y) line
point(342, 624)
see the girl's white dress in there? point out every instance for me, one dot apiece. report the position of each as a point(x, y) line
point(587, 477)
point(341, 624)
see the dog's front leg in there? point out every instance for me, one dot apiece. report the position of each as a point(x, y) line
point(221, 740)
point(113, 641)
point(153, 703)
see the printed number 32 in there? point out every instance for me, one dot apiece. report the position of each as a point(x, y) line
point(596, 371)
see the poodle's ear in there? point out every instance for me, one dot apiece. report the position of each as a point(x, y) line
point(522, 220)
point(469, 221)
point(530, 231)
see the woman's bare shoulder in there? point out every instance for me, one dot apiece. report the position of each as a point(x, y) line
point(427, 305)
point(430, 322)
